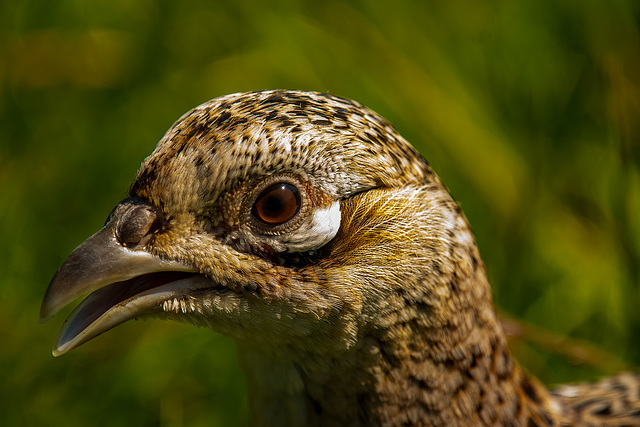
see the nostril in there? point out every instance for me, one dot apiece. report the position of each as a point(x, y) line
point(137, 223)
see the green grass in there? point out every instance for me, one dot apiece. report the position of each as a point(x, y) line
point(527, 109)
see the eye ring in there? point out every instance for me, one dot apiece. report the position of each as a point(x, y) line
point(277, 204)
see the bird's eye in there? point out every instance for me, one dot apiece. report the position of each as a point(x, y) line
point(277, 204)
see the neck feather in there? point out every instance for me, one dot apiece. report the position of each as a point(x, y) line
point(459, 372)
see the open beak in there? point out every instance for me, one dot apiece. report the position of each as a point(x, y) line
point(123, 283)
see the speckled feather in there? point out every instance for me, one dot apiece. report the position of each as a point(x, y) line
point(332, 142)
point(385, 318)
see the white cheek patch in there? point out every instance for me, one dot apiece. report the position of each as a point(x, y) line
point(321, 227)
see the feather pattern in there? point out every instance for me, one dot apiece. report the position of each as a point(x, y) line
point(368, 306)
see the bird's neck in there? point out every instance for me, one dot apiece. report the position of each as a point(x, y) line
point(303, 391)
point(454, 371)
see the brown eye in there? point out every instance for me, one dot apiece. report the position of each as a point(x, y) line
point(277, 204)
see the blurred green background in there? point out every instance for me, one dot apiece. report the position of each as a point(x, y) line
point(528, 110)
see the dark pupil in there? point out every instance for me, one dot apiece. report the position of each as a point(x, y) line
point(273, 204)
point(277, 204)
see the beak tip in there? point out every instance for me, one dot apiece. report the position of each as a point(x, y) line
point(62, 346)
point(46, 311)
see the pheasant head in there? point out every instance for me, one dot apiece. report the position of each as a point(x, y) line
point(306, 228)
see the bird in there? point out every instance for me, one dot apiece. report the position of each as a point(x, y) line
point(302, 225)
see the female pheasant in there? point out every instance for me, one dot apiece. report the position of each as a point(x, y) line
point(306, 228)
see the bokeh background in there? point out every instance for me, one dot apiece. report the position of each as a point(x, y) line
point(529, 111)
